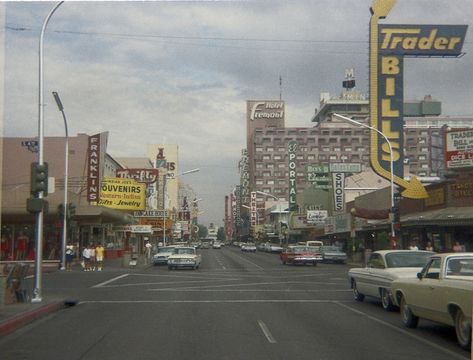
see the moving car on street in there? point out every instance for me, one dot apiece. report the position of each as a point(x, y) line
point(382, 268)
point(299, 254)
point(442, 292)
point(248, 247)
point(333, 254)
point(161, 256)
point(185, 256)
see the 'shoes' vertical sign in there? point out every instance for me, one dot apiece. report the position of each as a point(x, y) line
point(96, 155)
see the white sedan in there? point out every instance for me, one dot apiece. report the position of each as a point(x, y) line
point(185, 256)
point(382, 268)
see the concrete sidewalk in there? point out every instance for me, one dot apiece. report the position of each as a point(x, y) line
point(14, 316)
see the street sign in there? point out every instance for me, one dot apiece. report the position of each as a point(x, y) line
point(345, 167)
point(151, 213)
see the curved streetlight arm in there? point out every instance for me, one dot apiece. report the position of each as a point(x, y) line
point(390, 154)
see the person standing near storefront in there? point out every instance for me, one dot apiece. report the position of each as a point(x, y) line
point(457, 247)
point(21, 246)
point(99, 253)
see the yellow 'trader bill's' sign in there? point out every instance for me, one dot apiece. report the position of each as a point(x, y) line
point(122, 194)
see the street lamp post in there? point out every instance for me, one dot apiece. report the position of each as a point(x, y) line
point(37, 291)
point(164, 197)
point(393, 234)
point(66, 180)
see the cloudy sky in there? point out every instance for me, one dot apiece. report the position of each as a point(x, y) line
point(180, 72)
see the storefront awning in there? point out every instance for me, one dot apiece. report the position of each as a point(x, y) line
point(450, 216)
point(100, 215)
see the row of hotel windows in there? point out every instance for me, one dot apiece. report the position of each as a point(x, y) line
point(322, 157)
point(312, 149)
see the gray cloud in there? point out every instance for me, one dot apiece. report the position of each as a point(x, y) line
point(182, 71)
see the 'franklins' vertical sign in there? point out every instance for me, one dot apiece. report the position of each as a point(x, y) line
point(96, 148)
point(389, 45)
point(292, 150)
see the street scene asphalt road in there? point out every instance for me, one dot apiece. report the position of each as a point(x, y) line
point(235, 306)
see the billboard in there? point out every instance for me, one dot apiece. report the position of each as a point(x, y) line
point(122, 194)
point(389, 45)
point(458, 149)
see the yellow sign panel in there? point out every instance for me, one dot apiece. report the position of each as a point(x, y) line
point(122, 194)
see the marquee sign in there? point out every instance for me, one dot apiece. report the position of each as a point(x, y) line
point(389, 44)
point(146, 176)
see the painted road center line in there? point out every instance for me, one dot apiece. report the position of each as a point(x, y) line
point(266, 332)
point(111, 280)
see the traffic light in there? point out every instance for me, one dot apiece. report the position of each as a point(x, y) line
point(60, 211)
point(39, 178)
point(71, 210)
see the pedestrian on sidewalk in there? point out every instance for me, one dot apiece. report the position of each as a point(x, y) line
point(148, 247)
point(86, 258)
point(99, 252)
point(69, 257)
point(92, 257)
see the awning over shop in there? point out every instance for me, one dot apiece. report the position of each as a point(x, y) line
point(100, 215)
point(450, 216)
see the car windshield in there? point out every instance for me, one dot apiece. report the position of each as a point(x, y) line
point(302, 248)
point(329, 248)
point(407, 259)
point(184, 251)
point(165, 249)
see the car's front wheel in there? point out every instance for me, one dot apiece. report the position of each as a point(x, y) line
point(386, 300)
point(463, 329)
point(356, 294)
point(408, 317)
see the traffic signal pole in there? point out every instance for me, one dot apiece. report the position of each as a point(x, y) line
point(38, 286)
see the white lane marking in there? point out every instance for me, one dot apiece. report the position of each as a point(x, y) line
point(239, 285)
point(250, 301)
point(171, 282)
point(109, 281)
point(266, 332)
point(249, 290)
point(251, 262)
point(403, 331)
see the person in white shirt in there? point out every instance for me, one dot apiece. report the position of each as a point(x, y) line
point(86, 258)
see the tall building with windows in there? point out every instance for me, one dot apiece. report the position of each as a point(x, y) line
point(333, 140)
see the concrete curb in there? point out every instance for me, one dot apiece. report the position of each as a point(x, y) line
point(15, 322)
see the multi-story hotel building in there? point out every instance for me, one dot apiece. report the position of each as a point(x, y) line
point(333, 140)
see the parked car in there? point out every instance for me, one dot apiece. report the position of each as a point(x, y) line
point(217, 245)
point(205, 245)
point(248, 247)
point(298, 254)
point(441, 292)
point(162, 254)
point(381, 269)
point(272, 248)
point(333, 254)
point(185, 256)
